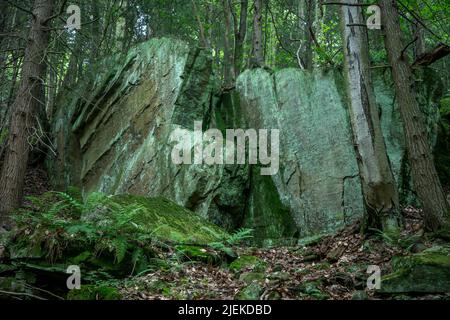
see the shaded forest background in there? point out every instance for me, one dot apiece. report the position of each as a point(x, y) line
point(295, 33)
point(42, 61)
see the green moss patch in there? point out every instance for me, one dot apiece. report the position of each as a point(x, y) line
point(248, 262)
point(201, 254)
point(92, 292)
point(108, 237)
point(426, 272)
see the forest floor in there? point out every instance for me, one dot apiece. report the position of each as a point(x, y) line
point(324, 267)
point(332, 267)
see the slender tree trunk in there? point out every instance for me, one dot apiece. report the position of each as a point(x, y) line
point(3, 62)
point(25, 110)
point(239, 38)
point(419, 45)
point(257, 56)
point(130, 20)
point(424, 175)
point(203, 40)
point(378, 185)
point(96, 30)
point(228, 51)
point(306, 18)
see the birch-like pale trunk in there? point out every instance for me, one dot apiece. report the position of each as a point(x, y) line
point(257, 56)
point(239, 38)
point(378, 184)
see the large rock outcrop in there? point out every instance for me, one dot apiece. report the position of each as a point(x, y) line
point(112, 134)
point(318, 177)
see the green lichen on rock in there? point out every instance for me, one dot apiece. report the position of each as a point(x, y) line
point(298, 104)
point(426, 272)
point(113, 130)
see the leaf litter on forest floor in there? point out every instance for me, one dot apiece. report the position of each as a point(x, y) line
point(334, 268)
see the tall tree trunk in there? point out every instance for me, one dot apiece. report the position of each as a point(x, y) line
point(3, 29)
point(25, 110)
point(257, 56)
point(203, 39)
point(96, 31)
point(3, 63)
point(228, 64)
point(239, 38)
point(306, 18)
point(378, 184)
point(424, 175)
point(130, 21)
point(419, 45)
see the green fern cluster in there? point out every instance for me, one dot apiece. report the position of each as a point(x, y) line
point(58, 225)
point(226, 243)
point(397, 239)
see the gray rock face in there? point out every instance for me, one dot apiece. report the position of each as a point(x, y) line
point(112, 135)
point(318, 177)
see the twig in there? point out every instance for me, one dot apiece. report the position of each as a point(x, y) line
point(45, 291)
point(381, 66)
point(347, 4)
point(407, 46)
point(61, 10)
point(20, 8)
point(22, 294)
point(417, 18)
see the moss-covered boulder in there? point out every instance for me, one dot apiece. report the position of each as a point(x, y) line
point(248, 263)
point(299, 104)
point(426, 272)
point(195, 253)
point(251, 292)
point(117, 235)
point(170, 222)
point(250, 277)
point(311, 290)
point(113, 130)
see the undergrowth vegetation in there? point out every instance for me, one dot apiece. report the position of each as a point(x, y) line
point(110, 237)
point(397, 239)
